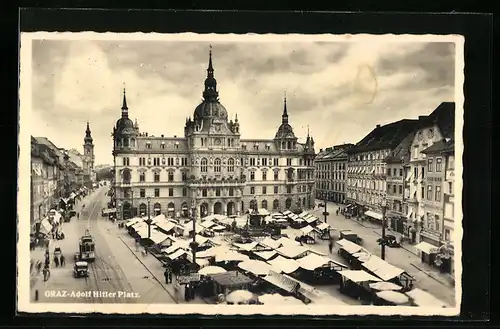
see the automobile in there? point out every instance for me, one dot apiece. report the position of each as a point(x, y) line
point(307, 239)
point(242, 239)
point(350, 236)
point(81, 269)
point(391, 241)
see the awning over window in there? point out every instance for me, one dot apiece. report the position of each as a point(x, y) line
point(427, 247)
point(373, 214)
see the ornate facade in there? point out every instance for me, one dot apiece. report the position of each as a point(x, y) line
point(210, 170)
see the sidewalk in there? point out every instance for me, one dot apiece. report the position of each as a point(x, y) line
point(123, 241)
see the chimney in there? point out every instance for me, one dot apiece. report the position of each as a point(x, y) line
point(146, 134)
point(378, 126)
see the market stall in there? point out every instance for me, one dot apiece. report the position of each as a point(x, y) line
point(293, 251)
point(265, 255)
point(320, 269)
point(323, 230)
point(280, 283)
point(388, 272)
point(421, 298)
point(347, 249)
point(284, 265)
point(225, 283)
point(356, 283)
point(255, 267)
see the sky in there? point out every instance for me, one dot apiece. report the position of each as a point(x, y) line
point(339, 90)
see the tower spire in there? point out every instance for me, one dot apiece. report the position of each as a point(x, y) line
point(88, 135)
point(124, 105)
point(210, 93)
point(284, 117)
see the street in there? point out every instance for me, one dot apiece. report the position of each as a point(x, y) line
point(115, 277)
point(428, 279)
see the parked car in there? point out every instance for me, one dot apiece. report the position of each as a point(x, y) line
point(390, 241)
point(350, 236)
point(307, 239)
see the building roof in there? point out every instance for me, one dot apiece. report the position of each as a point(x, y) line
point(385, 137)
point(402, 151)
point(443, 116)
point(337, 152)
point(442, 146)
point(48, 143)
point(232, 278)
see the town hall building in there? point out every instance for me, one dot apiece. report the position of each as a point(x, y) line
point(211, 169)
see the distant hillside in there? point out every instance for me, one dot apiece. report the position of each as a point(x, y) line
point(104, 173)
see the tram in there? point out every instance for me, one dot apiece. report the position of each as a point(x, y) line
point(86, 249)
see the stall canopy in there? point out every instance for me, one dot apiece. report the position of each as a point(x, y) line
point(246, 246)
point(266, 254)
point(287, 242)
point(284, 265)
point(349, 246)
point(303, 214)
point(182, 244)
point(307, 229)
point(212, 252)
point(263, 212)
point(282, 281)
point(425, 299)
point(323, 226)
point(374, 215)
point(231, 256)
point(157, 237)
point(382, 269)
point(159, 218)
point(310, 219)
point(201, 262)
point(270, 243)
point(133, 221)
point(207, 224)
point(291, 251)
point(166, 226)
point(314, 261)
point(359, 276)
point(287, 212)
point(427, 248)
point(231, 279)
point(177, 254)
point(256, 267)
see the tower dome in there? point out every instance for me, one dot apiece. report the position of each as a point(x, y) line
point(125, 124)
point(285, 130)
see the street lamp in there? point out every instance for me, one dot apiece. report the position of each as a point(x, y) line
point(383, 205)
point(149, 217)
point(325, 200)
point(194, 244)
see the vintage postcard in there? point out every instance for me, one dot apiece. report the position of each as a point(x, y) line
point(240, 174)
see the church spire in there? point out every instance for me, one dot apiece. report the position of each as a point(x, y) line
point(88, 135)
point(124, 106)
point(284, 117)
point(210, 93)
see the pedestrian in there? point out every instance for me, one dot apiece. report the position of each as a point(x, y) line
point(77, 215)
point(47, 261)
point(137, 245)
point(63, 261)
point(56, 261)
point(166, 276)
point(187, 292)
point(169, 276)
point(46, 274)
point(192, 292)
point(330, 246)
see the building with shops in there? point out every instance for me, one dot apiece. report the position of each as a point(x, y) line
point(210, 170)
point(330, 170)
point(398, 188)
point(422, 204)
point(367, 168)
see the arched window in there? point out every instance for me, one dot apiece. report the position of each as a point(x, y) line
point(288, 203)
point(125, 142)
point(253, 204)
point(126, 176)
point(143, 209)
point(204, 165)
point(230, 165)
point(217, 163)
point(264, 204)
point(132, 142)
point(276, 204)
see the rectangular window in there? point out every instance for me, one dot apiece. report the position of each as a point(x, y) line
point(157, 177)
point(394, 172)
point(400, 189)
point(389, 187)
point(157, 192)
point(388, 172)
point(429, 165)
point(231, 191)
point(126, 161)
point(264, 162)
point(204, 192)
point(264, 190)
point(252, 162)
point(170, 192)
point(252, 190)
point(276, 162)
point(401, 172)
point(184, 161)
point(170, 176)
point(142, 193)
point(276, 175)
point(170, 161)
point(184, 191)
point(276, 190)
point(142, 177)
point(184, 176)
point(217, 191)
point(429, 192)
point(394, 189)
point(450, 187)
point(264, 175)
point(422, 174)
point(422, 192)
point(289, 189)
point(438, 193)
point(252, 175)
point(288, 162)
point(439, 164)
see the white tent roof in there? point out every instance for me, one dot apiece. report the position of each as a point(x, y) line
point(382, 269)
point(292, 251)
point(359, 276)
point(246, 246)
point(265, 254)
point(271, 243)
point(307, 229)
point(231, 256)
point(349, 246)
point(256, 267)
point(323, 226)
point(425, 299)
point(284, 265)
point(287, 242)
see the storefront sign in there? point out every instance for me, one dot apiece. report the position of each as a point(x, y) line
point(193, 277)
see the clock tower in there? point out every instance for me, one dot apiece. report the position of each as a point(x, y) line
point(88, 158)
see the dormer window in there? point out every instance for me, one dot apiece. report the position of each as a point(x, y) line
point(148, 145)
point(176, 145)
point(244, 146)
point(268, 146)
point(162, 145)
point(256, 147)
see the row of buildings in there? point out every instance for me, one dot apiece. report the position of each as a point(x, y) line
point(404, 169)
point(56, 173)
point(211, 169)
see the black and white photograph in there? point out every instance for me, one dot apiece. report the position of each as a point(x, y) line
point(240, 174)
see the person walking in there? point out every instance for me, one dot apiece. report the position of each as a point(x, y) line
point(77, 215)
point(166, 276)
point(63, 261)
point(169, 276)
point(330, 246)
point(56, 261)
point(187, 292)
point(46, 273)
point(137, 245)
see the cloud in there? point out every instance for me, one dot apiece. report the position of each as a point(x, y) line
point(341, 90)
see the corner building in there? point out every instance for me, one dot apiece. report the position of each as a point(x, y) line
point(210, 170)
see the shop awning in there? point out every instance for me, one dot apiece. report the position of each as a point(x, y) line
point(323, 226)
point(284, 265)
point(427, 248)
point(281, 281)
point(270, 243)
point(178, 253)
point(349, 246)
point(373, 214)
point(256, 267)
point(314, 261)
point(292, 251)
point(359, 276)
point(307, 229)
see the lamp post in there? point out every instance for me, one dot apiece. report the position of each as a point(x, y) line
point(194, 244)
point(325, 200)
point(383, 242)
point(149, 218)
